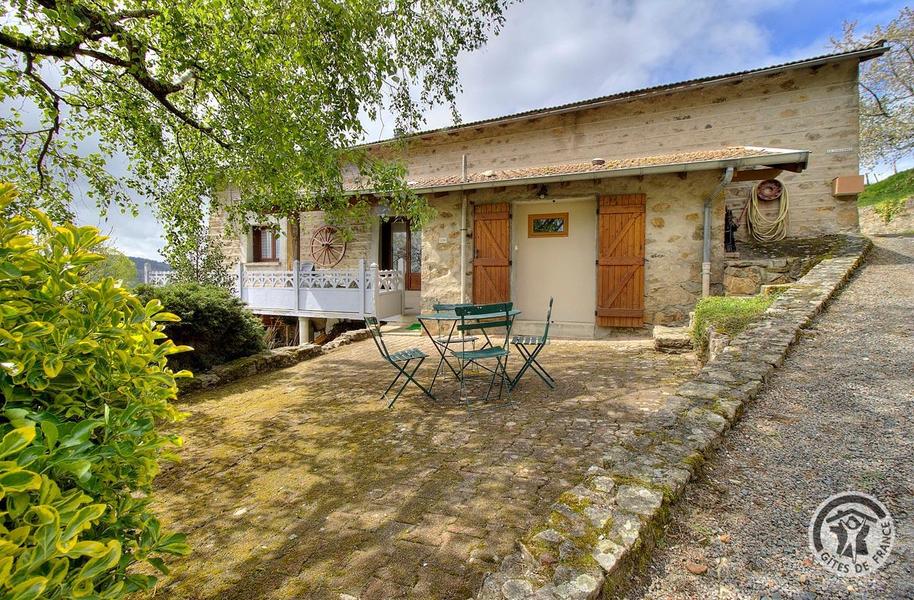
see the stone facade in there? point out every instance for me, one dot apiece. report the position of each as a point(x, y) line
point(813, 109)
point(808, 108)
point(235, 245)
point(359, 246)
point(673, 238)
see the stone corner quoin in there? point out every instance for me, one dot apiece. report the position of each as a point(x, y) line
point(602, 528)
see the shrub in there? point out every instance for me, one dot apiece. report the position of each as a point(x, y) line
point(84, 383)
point(728, 315)
point(213, 321)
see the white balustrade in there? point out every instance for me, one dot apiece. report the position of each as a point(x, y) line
point(336, 292)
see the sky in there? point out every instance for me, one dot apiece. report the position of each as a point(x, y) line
point(557, 51)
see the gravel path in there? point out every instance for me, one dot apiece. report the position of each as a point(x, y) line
point(839, 415)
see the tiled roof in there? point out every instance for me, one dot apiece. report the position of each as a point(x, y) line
point(862, 53)
point(693, 160)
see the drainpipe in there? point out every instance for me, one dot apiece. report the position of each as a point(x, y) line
point(463, 232)
point(706, 238)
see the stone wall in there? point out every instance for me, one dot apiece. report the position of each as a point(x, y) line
point(812, 109)
point(358, 247)
point(745, 277)
point(872, 223)
point(263, 362)
point(362, 244)
point(673, 238)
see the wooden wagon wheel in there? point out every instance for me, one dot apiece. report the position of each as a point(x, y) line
point(327, 247)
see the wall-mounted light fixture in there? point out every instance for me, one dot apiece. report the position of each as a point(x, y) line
point(542, 192)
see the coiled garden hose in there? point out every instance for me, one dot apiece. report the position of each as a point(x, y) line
point(761, 227)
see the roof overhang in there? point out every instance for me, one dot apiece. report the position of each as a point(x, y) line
point(774, 158)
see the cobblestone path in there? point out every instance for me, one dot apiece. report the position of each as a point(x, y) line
point(839, 415)
point(299, 484)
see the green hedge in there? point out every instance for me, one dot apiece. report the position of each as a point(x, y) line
point(728, 315)
point(214, 323)
point(86, 383)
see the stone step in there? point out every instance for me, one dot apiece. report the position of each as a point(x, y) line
point(673, 340)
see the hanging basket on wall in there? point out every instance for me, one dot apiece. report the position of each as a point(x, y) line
point(327, 247)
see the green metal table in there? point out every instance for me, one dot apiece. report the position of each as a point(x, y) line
point(442, 347)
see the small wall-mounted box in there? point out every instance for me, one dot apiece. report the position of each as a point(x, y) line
point(847, 185)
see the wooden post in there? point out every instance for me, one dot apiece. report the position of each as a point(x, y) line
point(362, 287)
point(295, 284)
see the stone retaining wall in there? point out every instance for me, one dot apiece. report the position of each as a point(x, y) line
point(872, 223)
point(745, 277)
point(603, 528)
point(263, 362)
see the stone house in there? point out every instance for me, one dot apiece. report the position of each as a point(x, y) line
point(614, 205)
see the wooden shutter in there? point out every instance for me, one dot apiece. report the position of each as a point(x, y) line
point(491, 263)
point(620, 261)
point(256, 240)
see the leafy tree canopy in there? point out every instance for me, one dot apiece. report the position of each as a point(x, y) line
point(115, 265)
point(886, 90)
point(267, 94)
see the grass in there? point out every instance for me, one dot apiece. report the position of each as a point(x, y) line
point(888, 197)
point(900, 185)
point(728, 315)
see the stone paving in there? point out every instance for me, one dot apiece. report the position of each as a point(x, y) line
point(300, 484)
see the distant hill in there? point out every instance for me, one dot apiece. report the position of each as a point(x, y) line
point(154, 265)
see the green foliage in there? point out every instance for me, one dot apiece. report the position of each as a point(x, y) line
point(115, 265)
point(84, 383)
point(886, 89)
point(889, 196)
point(728, 315)
point(195, 257)
point(269, 95)
point(899, 185)
point(213, 321)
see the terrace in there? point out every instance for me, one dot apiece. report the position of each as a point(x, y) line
point(300, 484)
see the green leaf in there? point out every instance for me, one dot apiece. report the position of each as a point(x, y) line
point(159, 564)
point(16, 440)
point(52, 366)
point(29, 589)
point(50, 432)
point(99, 564)
point(82, 520)
point(19, 481)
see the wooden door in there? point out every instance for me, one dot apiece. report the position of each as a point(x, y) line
point(620, 261)
point(491, 262)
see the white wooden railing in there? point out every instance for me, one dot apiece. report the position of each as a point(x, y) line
point(339, 293)
point(157, 277)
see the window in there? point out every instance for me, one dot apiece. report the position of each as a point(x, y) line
point(264, 244)
point(547, 225)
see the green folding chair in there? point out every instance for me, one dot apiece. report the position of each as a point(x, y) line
point(524, 343)
point(500, 317)
point(446, 341)
point(400, 361)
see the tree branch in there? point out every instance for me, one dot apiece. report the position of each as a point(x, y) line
point(102, 26)
point(54, 128)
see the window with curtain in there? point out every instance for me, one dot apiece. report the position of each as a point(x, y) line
point(264, 240)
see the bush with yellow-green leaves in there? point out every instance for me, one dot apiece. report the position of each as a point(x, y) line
point(85, 387)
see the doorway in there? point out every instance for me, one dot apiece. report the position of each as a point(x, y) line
point(401, 249)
